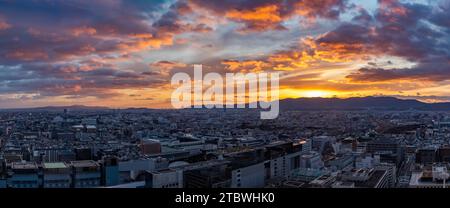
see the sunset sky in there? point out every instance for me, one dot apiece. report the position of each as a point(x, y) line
point(122, 53)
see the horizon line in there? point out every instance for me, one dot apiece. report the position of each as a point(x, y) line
point(170, 108)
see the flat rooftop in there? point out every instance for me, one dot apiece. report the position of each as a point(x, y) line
point(129, 185)
point(24, 165)
point(84, 163)
point(416, 180)
point(58, 165)
point(163, 171)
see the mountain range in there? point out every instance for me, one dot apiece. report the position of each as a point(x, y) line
point(361, 103)
point(355, 103)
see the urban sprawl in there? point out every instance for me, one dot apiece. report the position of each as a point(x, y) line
point(200, 148)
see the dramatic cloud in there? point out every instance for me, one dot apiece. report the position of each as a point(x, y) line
point(433, 70)
point(399, 30)
point(264, 15)
point(402, 30)
point(107, 50)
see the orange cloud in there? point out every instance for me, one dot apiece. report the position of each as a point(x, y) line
point(168, 65)
point(143, 41)
point(259, 18)
point(319, 8)
point(264, 15)
point(83, 31)
point(4, 25)
point(27, 55)
point(245, 66)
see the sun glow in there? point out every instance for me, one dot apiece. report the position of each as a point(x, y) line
point(315, 93)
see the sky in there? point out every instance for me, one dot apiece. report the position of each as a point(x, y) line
point(122, 53)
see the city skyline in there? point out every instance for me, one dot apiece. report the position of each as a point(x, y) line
point(123, 53)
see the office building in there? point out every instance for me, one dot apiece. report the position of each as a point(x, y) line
point(23, 175)
point(168, 178)
point(56, 175)
point(85, 174)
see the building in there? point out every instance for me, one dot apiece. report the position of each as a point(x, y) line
point(322, 144)
point(427, 155)
point(281, 159)
point(139, 184)
point(435, 176)
point(343, 184)
point(444, 154)
point(209, 176)
point(391, 173)
point(3, 182)
point(389, 150)
point(306, 144)
point(306, 175)
point(368, 177)
point(129, 170)
point(248, 177)
point(2, 173)
point(293, 184)
point(341, 162)
point(85, 174)
point(168, 178)
point(383, 145)
point(66, 156)
point(56, 175)
point(150, 146)
point(48, 155)
point(110, 171)
point(311, 160)
point(23, 175)
point(324, 181)
point(367, 161)
point(84, 153)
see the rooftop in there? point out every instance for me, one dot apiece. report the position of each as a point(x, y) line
point(24, 165)
point(84, 163)
point(57, 165)
point(129, 185)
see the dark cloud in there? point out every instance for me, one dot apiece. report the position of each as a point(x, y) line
point(61, 30)
point(67, 47)
point(70, 47)
point(397, 29)
point(261, 15)
point(69, 80)
point(430, 70)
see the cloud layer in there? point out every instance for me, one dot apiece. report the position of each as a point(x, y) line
point(76, 51)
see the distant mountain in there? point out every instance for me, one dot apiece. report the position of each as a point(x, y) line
point(360, 103)
point(356, 103)
point(60, 108)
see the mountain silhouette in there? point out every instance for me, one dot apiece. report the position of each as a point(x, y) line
point(360, 103)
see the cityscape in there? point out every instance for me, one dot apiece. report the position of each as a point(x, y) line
point(121, 94)
point(79, 147)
